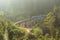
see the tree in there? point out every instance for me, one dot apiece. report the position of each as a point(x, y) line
point(15, 33)
point(49, 22)
point(2, 29)
point(57, 14)
point(35, 33)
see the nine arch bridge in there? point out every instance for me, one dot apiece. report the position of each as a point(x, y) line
point(27, 23)
point(30, 22)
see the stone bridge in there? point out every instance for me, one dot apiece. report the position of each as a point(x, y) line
point(28, 23)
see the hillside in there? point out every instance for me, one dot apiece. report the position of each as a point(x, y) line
point(29, 19)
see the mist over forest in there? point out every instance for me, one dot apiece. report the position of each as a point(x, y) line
point(14, 9)
point(21, 9)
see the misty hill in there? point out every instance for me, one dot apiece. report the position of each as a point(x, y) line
point(20, 9)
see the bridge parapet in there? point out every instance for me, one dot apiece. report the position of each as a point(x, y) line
point(28, 23)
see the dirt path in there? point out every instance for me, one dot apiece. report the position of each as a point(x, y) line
point(27, 29)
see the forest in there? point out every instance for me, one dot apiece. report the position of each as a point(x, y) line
point(47, 27)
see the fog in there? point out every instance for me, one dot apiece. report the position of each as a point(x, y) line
point(28, 6)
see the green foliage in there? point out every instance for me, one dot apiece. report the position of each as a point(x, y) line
point(57, 14)
point(50, 19)
point(37, 31)
point(35, 34)
point(48, 23)
point(2, 29)
point(15, 33)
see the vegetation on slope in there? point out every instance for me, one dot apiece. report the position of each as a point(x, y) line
point(47, 30)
